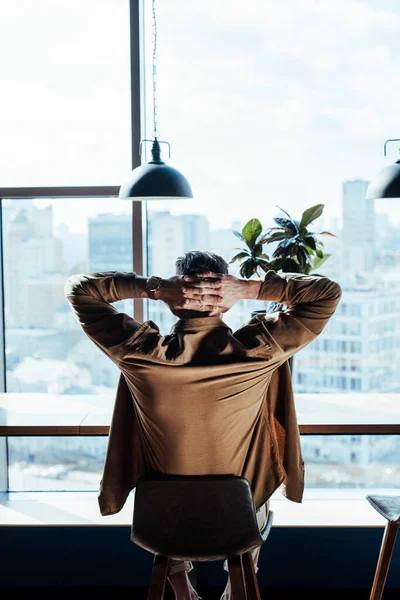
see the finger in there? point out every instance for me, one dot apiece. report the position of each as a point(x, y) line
point(207, 304)
point(210, 299)
point(191, 292)
point(204, 285)
point(202, 274)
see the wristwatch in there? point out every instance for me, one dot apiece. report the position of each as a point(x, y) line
point(153, 285)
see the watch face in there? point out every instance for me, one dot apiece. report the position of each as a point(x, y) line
point(153, 283)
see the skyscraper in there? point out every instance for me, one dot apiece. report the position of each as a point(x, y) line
point(33, 266)
point(110, 243)
point(358, 234)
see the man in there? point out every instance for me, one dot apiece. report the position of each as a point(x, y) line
point(203, 400)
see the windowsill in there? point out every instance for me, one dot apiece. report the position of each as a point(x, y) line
point(81, 509)
point(52, 414)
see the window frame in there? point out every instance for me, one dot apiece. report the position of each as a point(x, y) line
point(139, 238)
point(139, 225)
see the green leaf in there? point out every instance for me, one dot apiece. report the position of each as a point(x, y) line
point(302, 257)
point(275, 229)
point(290, 266)
point(276, 237)
point(311, 214)
point(248, 268)
point(319, 261)
point(239, 235)
point(257, 249)
point(251, 231)
point(243, 254)
point(319, 253)
point(284, 211)
point(265, 266)
point(310, 241)
point(285, 224)
point(327, 233)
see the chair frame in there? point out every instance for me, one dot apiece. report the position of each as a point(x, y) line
point(384, 559)
point(242, 576)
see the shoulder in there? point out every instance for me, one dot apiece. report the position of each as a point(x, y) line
point(255, 336)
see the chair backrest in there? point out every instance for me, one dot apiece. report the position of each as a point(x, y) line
point(197, 517)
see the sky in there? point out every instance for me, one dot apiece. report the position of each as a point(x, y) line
point(264, 103)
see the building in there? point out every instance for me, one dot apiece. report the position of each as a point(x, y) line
point(166, 241)
point(359, 350)
point(33, 267)
point(110, 243)
point(359, 229)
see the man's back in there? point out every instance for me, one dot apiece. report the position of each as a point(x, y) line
point(199, 395)
point(202, 399)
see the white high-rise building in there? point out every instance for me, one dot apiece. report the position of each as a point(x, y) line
point(166, 241)
point(33, 266)
point(359, 350)
point(110, 243)
point(358, 233)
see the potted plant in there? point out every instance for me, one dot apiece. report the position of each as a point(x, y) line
point(299, 250)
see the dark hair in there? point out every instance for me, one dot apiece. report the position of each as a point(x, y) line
point(196, 261)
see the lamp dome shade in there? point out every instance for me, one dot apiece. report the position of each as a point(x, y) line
point(155, 181)
point(386, 184)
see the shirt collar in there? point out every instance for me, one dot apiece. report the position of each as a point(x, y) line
point(196, 323)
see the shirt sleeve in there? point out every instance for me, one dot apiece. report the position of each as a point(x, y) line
point(311, 301)
point(90, 297)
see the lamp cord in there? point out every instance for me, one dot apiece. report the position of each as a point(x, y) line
point(156, 133)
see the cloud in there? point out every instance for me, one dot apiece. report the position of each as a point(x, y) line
point(248, 92)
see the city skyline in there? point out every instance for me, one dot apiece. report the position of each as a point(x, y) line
point(48, 252)
point(358, 351)
point(265, 104)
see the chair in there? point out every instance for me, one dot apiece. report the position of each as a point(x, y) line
point(199, 518)
point(388, 507)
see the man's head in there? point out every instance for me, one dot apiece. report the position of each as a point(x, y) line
point(198, 261)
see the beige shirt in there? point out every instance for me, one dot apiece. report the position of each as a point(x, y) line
point(203, 399)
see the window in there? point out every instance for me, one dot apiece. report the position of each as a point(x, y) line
point(332, 461)
point(65, 119)
point(46, 241)
point(256, 93)
point(56, 463)
point(341, 461)
point(228, 80)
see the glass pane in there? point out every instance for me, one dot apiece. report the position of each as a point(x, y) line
point(351, 461)
point(65, 116)
point(287, 107)
point(46, 241)
point(339, 462)
point(56, 463)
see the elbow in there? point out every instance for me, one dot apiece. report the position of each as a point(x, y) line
point(337, 292)
point(332, 289)
point(73, 285)
point(334, 294)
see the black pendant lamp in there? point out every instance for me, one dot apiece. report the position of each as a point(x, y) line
point(386, 184)
point(155, 180)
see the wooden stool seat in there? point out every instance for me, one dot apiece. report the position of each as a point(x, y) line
point(388, 507)
point(199, 518)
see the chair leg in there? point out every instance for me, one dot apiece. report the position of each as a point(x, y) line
point(236, 576)
point(385, 556)
point(253, 591)
point(158, 578)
